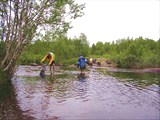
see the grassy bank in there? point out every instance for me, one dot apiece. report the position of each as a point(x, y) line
point(4, 78)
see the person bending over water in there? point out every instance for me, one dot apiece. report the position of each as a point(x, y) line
point(51, 57)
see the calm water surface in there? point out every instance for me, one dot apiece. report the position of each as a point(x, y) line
point(98, 94)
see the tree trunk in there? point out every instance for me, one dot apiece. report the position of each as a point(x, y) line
point(20, 20)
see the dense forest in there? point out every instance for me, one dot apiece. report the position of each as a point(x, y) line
point(124, 53)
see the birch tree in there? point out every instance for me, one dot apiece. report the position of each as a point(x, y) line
point(20, 20)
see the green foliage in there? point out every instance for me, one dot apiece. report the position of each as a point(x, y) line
point(2, 50)
point(150, 59)
point(99, 48)
point(124, 60)
point(66, 50)
point(130, 53)
point(125, 53)
point(4, 78)
point(23, 21)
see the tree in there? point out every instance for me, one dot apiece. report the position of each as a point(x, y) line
point(20, 20)
point(93, 49)
point(99, 48)
point(107, 47)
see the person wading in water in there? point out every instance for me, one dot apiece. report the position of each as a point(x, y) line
point(82, 63)
point(51, 57)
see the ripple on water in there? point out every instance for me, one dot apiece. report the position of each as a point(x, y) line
point(69, 95)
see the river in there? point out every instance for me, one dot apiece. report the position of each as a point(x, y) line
point(100, 93)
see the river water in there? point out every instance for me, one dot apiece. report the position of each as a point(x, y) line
point(97, 94)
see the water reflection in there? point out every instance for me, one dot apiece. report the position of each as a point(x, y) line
point(140, 79)
point(93, 95)
point(37, 95)
point(150, 81)
point(9, 108)
point(82, 87)
point(81, 77)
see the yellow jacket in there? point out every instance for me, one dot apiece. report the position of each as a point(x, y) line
point(51, 58)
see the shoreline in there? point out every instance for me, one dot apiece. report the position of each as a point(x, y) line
point(112, 68)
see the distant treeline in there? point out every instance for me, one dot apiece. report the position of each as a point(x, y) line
point(125, 53)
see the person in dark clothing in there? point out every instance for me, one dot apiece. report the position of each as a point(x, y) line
point(82, 63)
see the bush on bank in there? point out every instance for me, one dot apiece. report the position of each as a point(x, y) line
point(125, 53)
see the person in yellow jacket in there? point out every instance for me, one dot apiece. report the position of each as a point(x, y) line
point(51, 57)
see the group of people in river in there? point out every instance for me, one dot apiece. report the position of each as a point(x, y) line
point(81, 62)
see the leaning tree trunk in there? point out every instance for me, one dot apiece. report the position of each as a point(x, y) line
point(20, 29)
point(19, 20)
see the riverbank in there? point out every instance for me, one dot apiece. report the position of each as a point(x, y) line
point(137, 70)
point(111, 67)
point(4, 78)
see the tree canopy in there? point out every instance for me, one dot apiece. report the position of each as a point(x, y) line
point(125, 53)
point(21, 19)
